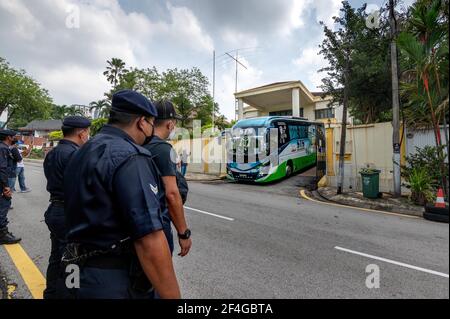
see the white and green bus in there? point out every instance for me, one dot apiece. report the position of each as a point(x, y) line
point(266, 149)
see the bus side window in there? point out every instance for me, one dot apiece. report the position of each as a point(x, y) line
point(293, 132)
point(303, 131)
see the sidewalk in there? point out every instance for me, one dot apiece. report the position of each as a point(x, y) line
point(32, 160)
point(199, 177)
point(356, 199)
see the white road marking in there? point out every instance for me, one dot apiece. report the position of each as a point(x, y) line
point(211, 214)
point(437, 273)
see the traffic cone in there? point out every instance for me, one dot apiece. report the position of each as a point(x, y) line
point(440, 199)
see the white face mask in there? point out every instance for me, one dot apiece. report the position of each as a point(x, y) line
point(172, 134)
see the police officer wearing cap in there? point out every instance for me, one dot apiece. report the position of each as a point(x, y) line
point(165, 160)
point(76, 133)
point(6, 166)
point(116, 212)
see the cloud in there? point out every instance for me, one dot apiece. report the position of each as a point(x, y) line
point(247, 78)
point(308, 63)
point(40, 41)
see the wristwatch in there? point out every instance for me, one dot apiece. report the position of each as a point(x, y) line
point(186, 235)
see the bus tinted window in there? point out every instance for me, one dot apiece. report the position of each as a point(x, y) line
point(293, 132)
point(303, 131)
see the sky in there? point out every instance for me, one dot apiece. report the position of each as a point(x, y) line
point(64, 44)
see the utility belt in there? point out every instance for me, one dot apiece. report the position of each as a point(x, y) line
point(57, 202)
point(118, 256)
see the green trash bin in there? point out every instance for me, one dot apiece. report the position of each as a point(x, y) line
point(370, 182)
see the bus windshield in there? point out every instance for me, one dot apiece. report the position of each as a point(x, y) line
point(249, 140)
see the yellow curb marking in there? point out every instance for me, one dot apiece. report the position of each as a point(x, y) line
point(303, 194)
point(31, 275)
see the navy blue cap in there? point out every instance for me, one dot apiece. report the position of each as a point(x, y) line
point(76, 122)
point(132, 102)
point(8, 133)
point(166, 110)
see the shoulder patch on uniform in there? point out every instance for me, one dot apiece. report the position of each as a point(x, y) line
point(154, 189)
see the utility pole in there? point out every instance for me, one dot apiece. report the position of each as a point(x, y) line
point(236, 80)
point(395, 101)
point(214, 91)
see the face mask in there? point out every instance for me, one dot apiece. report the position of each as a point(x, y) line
point(173, 133)
point(148, 139)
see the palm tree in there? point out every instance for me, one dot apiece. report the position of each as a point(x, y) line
point(59, 112)
point(102, 107)
point(114, 70)
point(425, 47)
point(426, 50)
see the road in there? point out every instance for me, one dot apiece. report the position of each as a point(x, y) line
point(253, 241)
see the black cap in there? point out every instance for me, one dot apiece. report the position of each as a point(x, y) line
point(132, 102)
point(76, 122)
point(8, 133)
point(166, 111)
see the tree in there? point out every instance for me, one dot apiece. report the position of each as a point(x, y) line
point(59, 112)
point(337, 49)
point(222, 123)
point(186, 88)
point(114, 70)
point(425, 52)
point(102, 107)
point(24, 98)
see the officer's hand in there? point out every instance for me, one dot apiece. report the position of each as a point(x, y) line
point(185, 245)
point(7, 192)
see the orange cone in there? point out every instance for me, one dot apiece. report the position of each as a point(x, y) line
point(440, 199)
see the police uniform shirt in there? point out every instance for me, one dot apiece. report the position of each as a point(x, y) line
point(112, 191)
point(4, 170)
point(164, 156)
point(54, 166)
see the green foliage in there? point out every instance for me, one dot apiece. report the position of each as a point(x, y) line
point(97, 125)
point(55, 136)
point(103, 107)
point(37, 153)
point(426, 161)
point(424, 59)
point(365, 54)
point(420, 184)
point(369, 171)
point(59, 112)
point(24, 98)
point(186, 88)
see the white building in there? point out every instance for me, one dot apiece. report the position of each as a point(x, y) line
point(289, 98)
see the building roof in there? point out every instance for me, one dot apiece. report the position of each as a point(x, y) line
point(42, 125)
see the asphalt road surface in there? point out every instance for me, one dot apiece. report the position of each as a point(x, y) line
point(253, 241)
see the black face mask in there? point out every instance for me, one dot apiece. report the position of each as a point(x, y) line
point(148, 139)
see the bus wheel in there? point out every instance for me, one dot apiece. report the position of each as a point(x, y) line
point(289, 169)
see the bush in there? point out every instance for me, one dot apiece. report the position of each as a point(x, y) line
point(55, 136)
point(421, 186)
point(97, 125)
point(422, 173)
point(37, 153)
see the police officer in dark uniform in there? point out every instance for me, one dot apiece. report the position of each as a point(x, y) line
point(6, 166)
point(115, 209)
point(76, 133)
